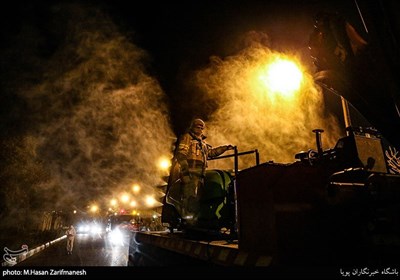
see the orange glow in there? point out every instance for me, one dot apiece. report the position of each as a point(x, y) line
point(94, 208)
point(281, 78)
point(266, 100)
point(113, 202)
point(150, 201)
point(133, 203)
point(135, 188)
point(164, 164)
point(125, 198)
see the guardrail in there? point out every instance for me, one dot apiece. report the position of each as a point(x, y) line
point(11, 257)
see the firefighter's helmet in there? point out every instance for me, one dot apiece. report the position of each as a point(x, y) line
point(197, 123)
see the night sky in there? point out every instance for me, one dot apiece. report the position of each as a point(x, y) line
point(179, 37)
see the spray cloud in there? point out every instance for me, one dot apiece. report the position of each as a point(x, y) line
point(252, 117)
point(98, 122)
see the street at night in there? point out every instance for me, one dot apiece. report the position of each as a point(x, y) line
point(88, 251)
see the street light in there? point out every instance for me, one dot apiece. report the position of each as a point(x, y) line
point(150, 201)
point(94, 208)
point(124, 198)
point(113, 202)
point(164, 163)
point(135, 188)
point(133, 203)
point(283, 77)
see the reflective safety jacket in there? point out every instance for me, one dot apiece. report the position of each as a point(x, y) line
point(70, 233)
point(192, 153)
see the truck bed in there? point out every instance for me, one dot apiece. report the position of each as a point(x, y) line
point(165, 248)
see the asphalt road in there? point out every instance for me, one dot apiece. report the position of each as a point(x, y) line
point(89, 250)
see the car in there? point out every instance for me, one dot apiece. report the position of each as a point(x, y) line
point(90, 227)
point(124, 222)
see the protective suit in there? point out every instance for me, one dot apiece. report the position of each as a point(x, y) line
point(192, 154)
point(71, 232)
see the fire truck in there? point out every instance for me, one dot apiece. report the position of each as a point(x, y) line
point(330, 206)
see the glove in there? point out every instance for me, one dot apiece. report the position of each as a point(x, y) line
point(186, 179)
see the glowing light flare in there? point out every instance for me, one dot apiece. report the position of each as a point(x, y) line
point(116, 237)
point(94, 208)
point(150, 201)
point(164, 164)
point(282, 77)
point(133, 203)
point(113, 202)
point(135, 188)
point(124, 198)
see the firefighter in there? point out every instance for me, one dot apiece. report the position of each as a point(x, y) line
point(192, 153)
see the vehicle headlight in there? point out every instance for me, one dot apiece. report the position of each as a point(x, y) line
point(116, 237)
point(95, 229)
